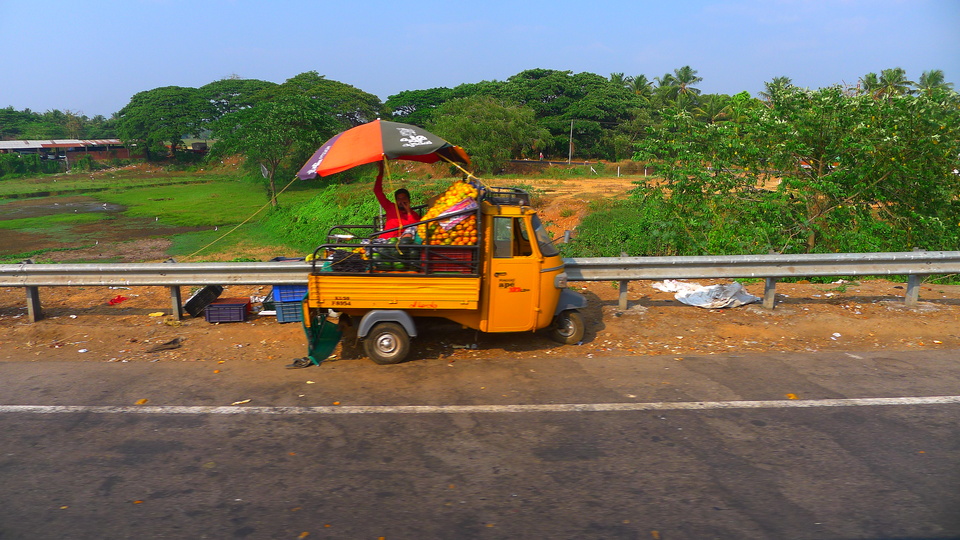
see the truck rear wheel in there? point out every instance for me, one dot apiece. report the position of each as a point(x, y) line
point(387, 343)
point(568, 327)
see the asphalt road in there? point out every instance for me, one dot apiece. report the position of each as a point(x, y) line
point(819, 446)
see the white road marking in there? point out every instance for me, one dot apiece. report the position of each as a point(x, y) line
point(485, 409)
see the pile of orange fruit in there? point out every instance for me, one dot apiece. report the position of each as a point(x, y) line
point(463, 233)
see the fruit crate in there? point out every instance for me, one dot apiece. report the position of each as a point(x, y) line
point(201, 299)
point(289, 311)
point(456, 260)
point(289, 293)
point(227, 310)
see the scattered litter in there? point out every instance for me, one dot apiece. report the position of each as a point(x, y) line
point(792, 396)
point(470, 346)
point(240, 402)
point(119, 288)
point(82, 350)
point(835, 336)
point(708, 297)
point(172, 344)
point(156, 314)
point(141, 401)
point(73, 316)
point(117, 299)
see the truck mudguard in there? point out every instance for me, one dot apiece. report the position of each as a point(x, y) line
point(570, 300)
point(388, 315)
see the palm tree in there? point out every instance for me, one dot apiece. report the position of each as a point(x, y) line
point(776, 88)
point(869, 83)
point(714, 108)
point(618, 79)
point(640, 86)
point(894, 82)
point(684, 79)
point(932, 80)
point(678, 85)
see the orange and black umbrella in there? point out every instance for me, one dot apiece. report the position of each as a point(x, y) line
point(375, 141)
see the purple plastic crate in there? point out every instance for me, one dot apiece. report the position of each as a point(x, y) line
point(227, 310)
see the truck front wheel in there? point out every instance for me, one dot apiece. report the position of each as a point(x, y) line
point(387, 343)
point(568, 327)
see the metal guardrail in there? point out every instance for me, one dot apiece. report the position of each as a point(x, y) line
point(623, 269)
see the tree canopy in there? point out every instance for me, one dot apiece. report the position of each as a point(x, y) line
point(163, 115)
point(278, 135)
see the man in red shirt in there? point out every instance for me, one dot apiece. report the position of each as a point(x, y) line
point(399, 213)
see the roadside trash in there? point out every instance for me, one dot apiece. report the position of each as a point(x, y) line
point(470, 346)
point(240, 402)
point(116, 300)
point(708, 297)
point(172, 344)
point(156, 314)
point(82, 350)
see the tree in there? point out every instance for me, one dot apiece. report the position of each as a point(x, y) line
point(820, 171)
point(640, 86)
point(618, 79)
point(713, 108)
point(417, 106)
point(558, 98)
point(775, 88)
point(350, 105)
point(491, 131)
point(679, 85)
point(164, 114)
point(278, 135)
point(894, 82)
point(233, 94)
point(933, 80)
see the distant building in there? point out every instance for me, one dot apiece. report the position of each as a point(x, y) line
point(68, 149)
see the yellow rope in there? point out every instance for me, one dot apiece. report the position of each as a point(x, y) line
point(243, 222)
point(464, 171)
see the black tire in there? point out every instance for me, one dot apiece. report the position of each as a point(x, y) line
point(387, 343)
point(568, 327)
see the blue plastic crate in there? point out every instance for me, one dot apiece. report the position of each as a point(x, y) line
point(289, 293)
point(289, 311)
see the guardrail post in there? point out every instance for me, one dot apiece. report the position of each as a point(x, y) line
point(175, 304)
point(622, 303)
point(770, 292)
point(913, 291)
point(34, 311)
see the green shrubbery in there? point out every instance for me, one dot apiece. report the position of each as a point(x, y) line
point(14, 165)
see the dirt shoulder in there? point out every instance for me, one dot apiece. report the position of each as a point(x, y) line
point(81, 325)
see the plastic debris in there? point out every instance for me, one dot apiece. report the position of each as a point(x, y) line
point(156, 314)
point(172, 344)
point(240, 402)
point(117, 299)
point(707, 297)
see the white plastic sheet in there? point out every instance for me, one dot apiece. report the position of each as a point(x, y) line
point(707, 297)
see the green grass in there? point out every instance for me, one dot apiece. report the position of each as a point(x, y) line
point(51, 224)
point(82, 182)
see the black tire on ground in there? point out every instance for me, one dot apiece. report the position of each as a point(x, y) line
point(387, 343)
point(568, 327)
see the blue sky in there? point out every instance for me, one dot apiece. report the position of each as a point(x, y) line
point(91, 57)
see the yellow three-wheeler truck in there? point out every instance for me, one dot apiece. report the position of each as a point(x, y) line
point(507, 276)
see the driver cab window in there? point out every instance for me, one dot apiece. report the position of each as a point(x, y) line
point(510, 238)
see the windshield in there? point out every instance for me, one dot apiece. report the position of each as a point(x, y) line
point(547, 249)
